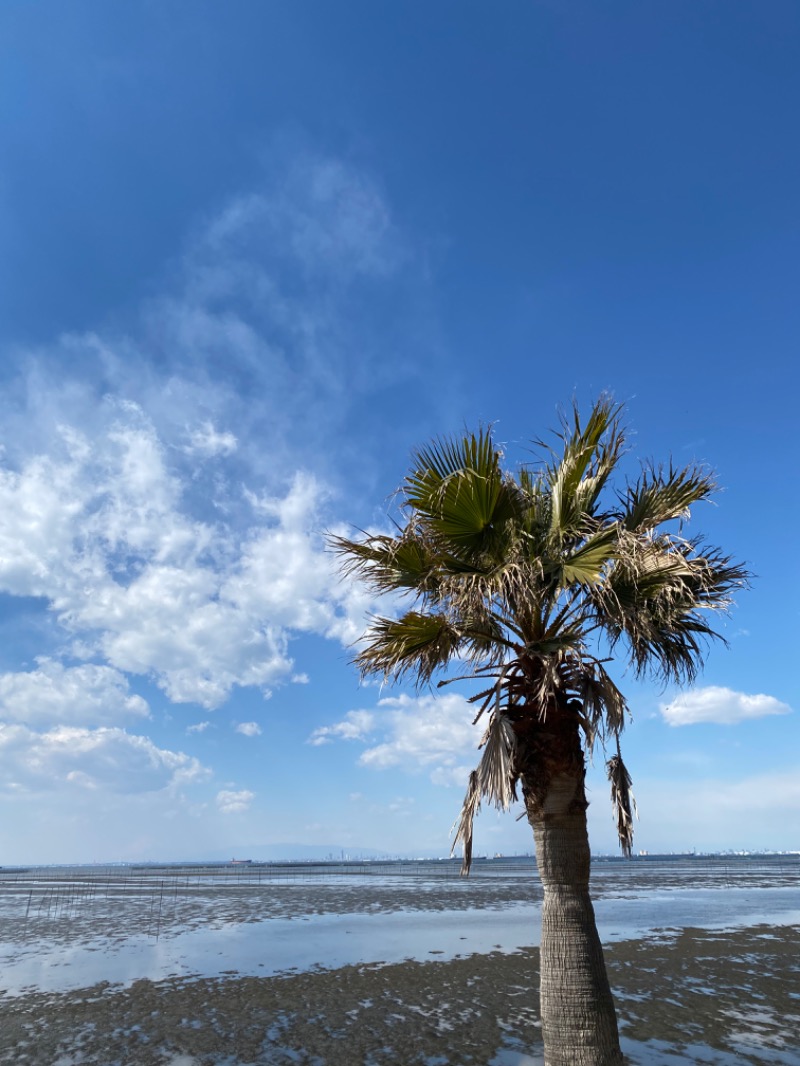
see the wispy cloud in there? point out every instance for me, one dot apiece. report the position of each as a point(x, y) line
point(268, 331)
point(234, 802)
point(722, 706)
point(208, 441)
point(156, 485)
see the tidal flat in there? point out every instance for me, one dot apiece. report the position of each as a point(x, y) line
point(397, 964)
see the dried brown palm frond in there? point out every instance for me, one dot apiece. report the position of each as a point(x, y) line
point(603, 704)
point(623, 801)
point(495, 774)
point(463, 824)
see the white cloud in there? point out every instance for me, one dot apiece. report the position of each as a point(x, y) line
point(356, 725)
point(424, 731)
point(720, 705)
point(107, 758)
point(249, 729)
point(86, 695)
point(101, 529)
point(154, 485)
point(207, 441)
point(130, 518)
point(452, 776)
point(328, 217)
point(433, 733)
point(234, 802)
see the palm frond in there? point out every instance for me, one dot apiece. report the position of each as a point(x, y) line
point(604, 706)
point(463, 824)
point(590, 453)
point(587, 563)
point(622, 801)
point(664, 494)
point(654, 597)
point(495, 775)
point(445, 456)
point(416, 643)
point(459, 490)
point(389, 564)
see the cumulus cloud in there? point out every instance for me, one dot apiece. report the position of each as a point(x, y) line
point(86, 695)
point(249, 729)
point(131, 519)
point(154, 493)
point(101, 529)
point(424, 731)
point(356, 725)
point(234, 802)
point(719, 705)
point(432, 733)
point(106, 758)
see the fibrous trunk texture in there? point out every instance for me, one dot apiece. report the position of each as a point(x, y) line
point(579, 1023)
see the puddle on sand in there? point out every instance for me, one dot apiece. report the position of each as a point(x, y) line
point(262, 949)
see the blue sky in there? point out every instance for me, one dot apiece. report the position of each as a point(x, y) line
point(250, 259)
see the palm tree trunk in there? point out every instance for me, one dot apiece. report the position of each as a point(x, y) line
point(579, 1023)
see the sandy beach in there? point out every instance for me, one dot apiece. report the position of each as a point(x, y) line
point(685, 994)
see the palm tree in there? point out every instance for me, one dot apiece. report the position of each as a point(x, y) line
point(528, 583)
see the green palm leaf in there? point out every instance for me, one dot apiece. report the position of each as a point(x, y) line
point(416, 643)
point(587, 564)
point(663, 495)
point(529, 579)
point(460, 490)
point(589, 456)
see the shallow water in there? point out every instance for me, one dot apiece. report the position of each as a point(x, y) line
point(74, 952)
point(276, 945)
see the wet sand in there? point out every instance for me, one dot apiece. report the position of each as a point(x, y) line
point(151, 968)
point(684, 996)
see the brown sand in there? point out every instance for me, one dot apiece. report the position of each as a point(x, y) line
point(683, 996)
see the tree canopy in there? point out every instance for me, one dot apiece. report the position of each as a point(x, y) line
point(531, 580)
